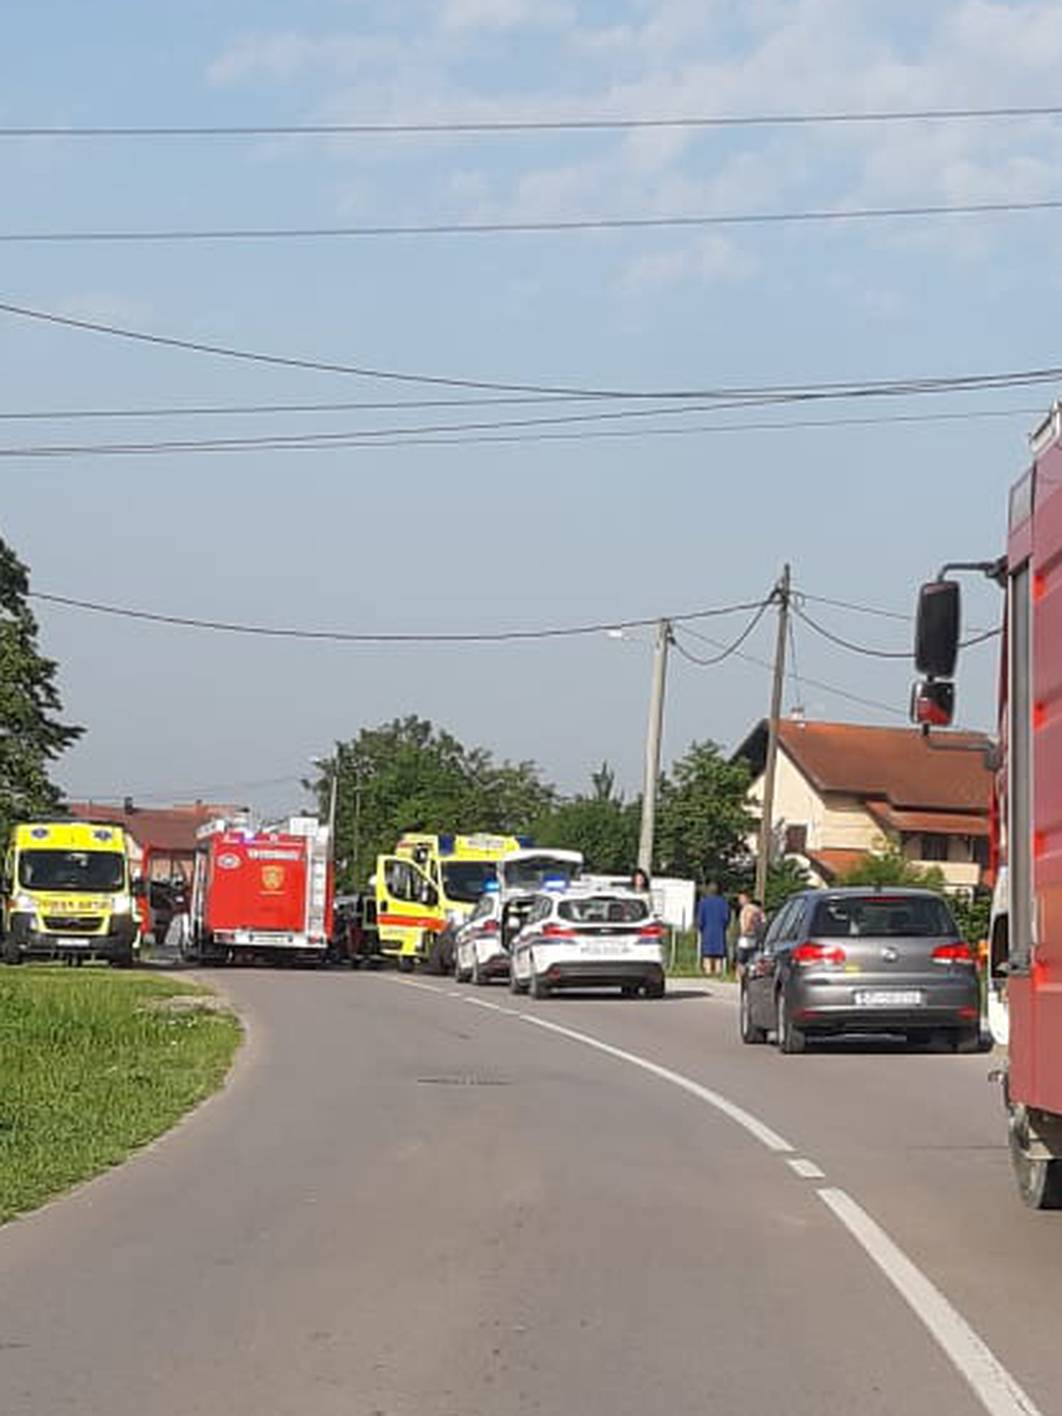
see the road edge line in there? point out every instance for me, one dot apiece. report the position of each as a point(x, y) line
point(995, 1388)
point(752, 1124)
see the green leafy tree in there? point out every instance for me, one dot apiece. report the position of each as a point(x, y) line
point(886, 864)
point(972, 914)
point(704, 820)
point(408, 775)
point(31, 735)
point(600, 824)
point(785, 877)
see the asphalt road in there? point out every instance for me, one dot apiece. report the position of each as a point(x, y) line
point(408, 1203)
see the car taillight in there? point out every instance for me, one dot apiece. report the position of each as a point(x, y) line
point(652, 931)
point(489, 926)
point(809, 953)
point(557, 931)
point(959, 953)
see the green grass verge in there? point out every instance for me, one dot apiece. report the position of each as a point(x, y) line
point(94, 1063)
point(685, 961)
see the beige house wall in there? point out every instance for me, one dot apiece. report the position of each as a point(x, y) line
point(840, 821)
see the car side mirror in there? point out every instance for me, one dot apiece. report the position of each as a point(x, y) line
point(937, 629)
point(933, 703)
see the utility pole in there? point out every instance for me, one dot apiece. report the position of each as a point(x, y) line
point(332, 803)
point(653, 736)
point(357, 827)
point(781, 597)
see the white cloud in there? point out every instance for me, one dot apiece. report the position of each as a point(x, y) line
point(707, 260)
point(670, 57)
point(504, 14)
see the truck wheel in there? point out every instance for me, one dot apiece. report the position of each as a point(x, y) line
point(790, 1039)
point(11, 953)
point(124, 960)
point(1039, 1181)
point(405, 963)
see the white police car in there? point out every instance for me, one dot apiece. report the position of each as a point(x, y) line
point(479, 953)
point(588, 937)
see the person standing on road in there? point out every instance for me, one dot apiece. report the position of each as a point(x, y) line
point(751, 921)
point(713, 915)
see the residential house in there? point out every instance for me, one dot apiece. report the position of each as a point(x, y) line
point(164, 837)
point(841, 788)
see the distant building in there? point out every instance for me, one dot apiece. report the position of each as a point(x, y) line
point(164, 836)
point(841, 788)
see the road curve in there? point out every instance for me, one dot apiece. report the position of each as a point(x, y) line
point(405, 1204)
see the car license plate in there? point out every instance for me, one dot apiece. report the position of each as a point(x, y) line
point(598, 951)
point(887, 998)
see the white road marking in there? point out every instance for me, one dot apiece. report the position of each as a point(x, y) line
point(806, 1169)
point(990, 1381)
point(483, 1003)
point(771, 1139)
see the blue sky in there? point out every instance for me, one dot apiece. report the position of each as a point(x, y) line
point(520, 534)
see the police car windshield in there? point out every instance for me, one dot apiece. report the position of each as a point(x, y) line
point(538, 872)
point(71, 870)
point(466, 880)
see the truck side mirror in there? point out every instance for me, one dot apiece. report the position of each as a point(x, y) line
point(937, 629)
point(933, 703)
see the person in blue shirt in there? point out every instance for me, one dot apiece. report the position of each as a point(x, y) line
point(713, 916)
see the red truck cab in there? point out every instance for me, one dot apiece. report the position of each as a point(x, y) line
point(1025, 962)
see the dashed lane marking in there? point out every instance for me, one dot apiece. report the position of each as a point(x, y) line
point(806, 1169)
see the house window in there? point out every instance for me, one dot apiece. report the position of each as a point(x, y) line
point(934, 846)
point(796, 840)
point(979, 851)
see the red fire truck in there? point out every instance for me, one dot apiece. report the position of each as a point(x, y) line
point(1024, 985)
point(261, 892)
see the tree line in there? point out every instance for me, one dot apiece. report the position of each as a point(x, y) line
point(410, 775)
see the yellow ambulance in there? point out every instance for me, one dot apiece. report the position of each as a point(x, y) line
point(429, 886)
point(68, 893)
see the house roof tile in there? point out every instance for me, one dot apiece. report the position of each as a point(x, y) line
point(898, 766)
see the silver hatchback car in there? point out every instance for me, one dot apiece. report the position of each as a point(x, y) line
point(862, 960)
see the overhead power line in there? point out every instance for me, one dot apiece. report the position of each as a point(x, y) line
point(361, 637)
point(415, 437)
point(830, 688)
point(471, 126)
point(554, 226)
point(874, 653)
point(727, 649)
point(835, 389)
point(230, 410)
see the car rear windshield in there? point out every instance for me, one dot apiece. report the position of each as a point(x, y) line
point(603, 909)
point(466, 880)
point(883, 917)
point(71, 870)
